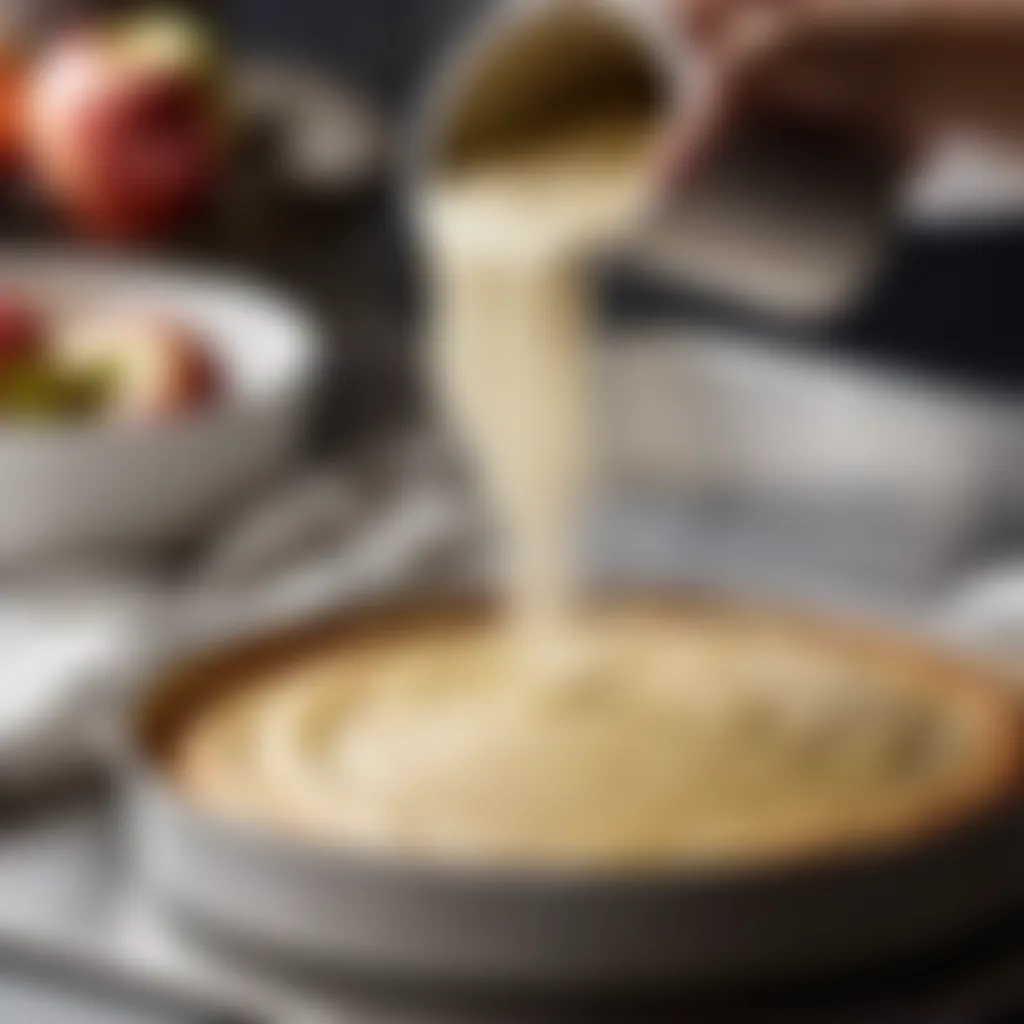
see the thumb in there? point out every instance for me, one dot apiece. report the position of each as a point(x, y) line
point(697, 130)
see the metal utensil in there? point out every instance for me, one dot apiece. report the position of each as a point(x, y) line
point(792, 215)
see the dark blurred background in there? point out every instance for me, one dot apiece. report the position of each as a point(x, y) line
point(949, 304)
point(946, 306)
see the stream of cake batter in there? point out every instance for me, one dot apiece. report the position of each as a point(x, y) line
point(513, 238)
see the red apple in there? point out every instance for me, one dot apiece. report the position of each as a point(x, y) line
point(125, 125)
point(137, 366)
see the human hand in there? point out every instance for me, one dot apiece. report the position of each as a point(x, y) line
point(900, 68)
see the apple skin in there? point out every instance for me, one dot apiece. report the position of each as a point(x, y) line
point(30, 390)
point(140, 367)
point(21, 333)
point(125, 132)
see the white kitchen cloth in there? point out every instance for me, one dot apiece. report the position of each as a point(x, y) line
point(987, 613)
point(67, 644)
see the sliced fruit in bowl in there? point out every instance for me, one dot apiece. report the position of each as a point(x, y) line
point(29, 389)
point(106, 364)
point(136, 366)
point(21, 332)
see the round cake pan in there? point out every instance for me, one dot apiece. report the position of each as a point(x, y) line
point(334, 910)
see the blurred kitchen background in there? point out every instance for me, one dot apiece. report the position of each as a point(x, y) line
point(948, 304)
point(945, 307)
point(873, 458)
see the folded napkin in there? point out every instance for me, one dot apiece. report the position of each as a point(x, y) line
point(987, 613)
point(68, 642)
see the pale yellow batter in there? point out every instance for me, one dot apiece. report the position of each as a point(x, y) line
point(681, 739)
point(512, 238)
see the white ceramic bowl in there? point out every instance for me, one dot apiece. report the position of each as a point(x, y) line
point(86, 489)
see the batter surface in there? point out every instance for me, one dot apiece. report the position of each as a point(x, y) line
point(668, 738)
